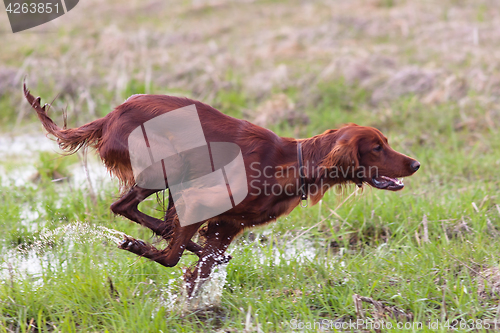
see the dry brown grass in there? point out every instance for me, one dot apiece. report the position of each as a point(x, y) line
point(440, 51)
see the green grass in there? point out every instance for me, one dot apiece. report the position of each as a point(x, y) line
point(375, 249)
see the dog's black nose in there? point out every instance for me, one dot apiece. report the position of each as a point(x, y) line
point(415, 166)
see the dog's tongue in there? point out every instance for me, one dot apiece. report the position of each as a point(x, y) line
point(384, 182)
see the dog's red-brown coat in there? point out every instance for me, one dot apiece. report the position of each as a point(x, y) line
point(349, 149)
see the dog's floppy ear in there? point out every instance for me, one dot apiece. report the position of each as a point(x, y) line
point(344, 156)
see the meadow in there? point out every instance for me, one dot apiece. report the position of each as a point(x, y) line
point(426, 74)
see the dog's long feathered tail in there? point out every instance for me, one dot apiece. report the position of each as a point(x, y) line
point(69, 140)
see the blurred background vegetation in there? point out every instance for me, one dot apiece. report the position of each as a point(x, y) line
point(274, 61)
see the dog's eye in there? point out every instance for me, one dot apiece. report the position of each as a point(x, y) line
point(377, 148)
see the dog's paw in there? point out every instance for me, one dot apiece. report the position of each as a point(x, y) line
point(133, 245)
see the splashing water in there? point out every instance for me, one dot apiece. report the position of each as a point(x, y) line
point(28, 260)
point(78, 232)
point(207, 294)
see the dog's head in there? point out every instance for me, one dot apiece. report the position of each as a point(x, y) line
point(363, 155)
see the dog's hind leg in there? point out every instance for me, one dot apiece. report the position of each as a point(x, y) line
point(171, 255)
point(127, 206)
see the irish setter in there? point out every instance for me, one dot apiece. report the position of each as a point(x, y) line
point(280, 172)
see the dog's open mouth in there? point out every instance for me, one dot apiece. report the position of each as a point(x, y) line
point(387, 183)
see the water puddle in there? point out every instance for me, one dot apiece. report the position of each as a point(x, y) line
point(25, 149)
point(25, 145)
point(21, 176)
point(280, 250)
point(80, 176)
